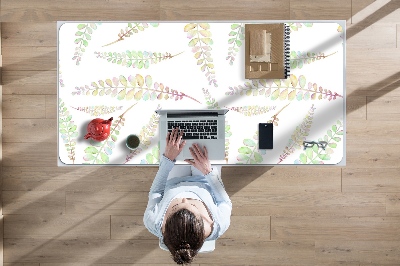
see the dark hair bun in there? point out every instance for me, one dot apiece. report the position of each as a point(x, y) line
point(185, 246)
point(183, 255)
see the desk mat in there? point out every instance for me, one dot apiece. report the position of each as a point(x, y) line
point(127, 70)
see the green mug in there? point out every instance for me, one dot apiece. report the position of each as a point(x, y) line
point(132, 142)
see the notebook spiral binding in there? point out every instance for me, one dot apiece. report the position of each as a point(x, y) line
point(287, 50)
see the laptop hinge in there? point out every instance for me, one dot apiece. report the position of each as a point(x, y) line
point(192, 114)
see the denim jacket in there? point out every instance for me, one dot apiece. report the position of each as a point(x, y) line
point(209, 188)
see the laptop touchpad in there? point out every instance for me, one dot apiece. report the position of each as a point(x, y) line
point(186, 152)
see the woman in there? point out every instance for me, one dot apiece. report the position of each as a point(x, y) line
point(187, 204)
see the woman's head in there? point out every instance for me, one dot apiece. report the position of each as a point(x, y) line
point(184, 235)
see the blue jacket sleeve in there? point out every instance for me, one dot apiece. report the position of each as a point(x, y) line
point(222, 199)
point(156, 194)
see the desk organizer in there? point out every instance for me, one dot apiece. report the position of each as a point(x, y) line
point(267, 48)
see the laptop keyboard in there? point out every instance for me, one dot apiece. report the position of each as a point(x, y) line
point(195, 129)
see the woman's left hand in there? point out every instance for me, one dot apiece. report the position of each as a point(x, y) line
point(174, 144)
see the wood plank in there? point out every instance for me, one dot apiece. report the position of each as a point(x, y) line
point(364, 252)
point(24, 106)
point(379, 180)
point(53, 226)
point(393, 204)
point(228, 251)
point(85, 251)
point(369, 264)
point(30, 154)
point(240, 252)
point(107, 203)
point(249, 227)
point(133, 179)
point(374, 75)
point(90, 10)
point(361, 155)
point(33, 202)
point(373, 132)
point(58, 178)
point(383, 108)
point(15, 52)
point(309, 204)
point(28, 34)
point(21, 264)
point(40, 130)
point(129, 227)
point(78, 179)
point(0, 42)
point(359, 6)
point(1, 238)
point(1, 156)
point(369, 12)
point(325, 9)
point(30, 58)
point(376, 18)
point(284, 179)
point(224, 9)
point(29, 82)
point(359, 36)
point(335, 228)
point(113, 264)
point(51, 106)
point(356, 108)
point(312, 261)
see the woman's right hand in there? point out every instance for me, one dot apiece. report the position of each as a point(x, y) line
point(200, 159)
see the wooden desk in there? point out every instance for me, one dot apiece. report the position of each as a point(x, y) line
point(128, 70)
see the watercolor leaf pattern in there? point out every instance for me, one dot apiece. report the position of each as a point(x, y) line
point(297, 26)
point(252, 110)
point(236, 37)
point(130, 29)
point(299, 135)
point(67, 129)
point(317, 155)
point(274, 119)
point(134, 87)
point(228, 134)
point(249, 152)
point(288, 89)
point(146, 135)
point(153, 157)
point(201, 41)
point(60, 78)
point(98, 110)
point(134, 59)
point(298, 59)
point(211, 103)
point(83, 37)
point(340, 30)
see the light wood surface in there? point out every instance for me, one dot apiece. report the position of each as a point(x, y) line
point(1, 155)
point(281, 215)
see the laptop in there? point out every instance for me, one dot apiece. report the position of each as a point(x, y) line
point(204, 127)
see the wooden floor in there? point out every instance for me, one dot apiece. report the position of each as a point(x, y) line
point(281, 215)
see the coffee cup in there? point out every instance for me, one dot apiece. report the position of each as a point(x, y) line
point(132, 142)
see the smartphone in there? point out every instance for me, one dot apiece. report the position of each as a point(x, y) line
point(265, 136)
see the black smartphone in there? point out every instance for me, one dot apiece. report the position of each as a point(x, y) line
point(265, 136)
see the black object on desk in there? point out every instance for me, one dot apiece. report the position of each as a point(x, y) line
point(265, 136)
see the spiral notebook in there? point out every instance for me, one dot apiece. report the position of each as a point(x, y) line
point(267, 49)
